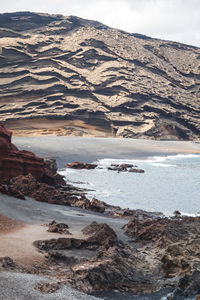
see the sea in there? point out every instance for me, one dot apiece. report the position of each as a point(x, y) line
point(171, 180)
point(169, 183)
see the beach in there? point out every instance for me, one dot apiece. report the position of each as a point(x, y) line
point(28, 217)
point(68, 148)
point(169, 183)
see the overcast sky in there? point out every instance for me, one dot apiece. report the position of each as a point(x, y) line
point(177, 20)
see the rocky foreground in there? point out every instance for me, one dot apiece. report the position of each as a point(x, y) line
point(153, 253)
point(66, 75)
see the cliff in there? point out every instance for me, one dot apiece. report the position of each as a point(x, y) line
point(14, 163)
point(74, 76)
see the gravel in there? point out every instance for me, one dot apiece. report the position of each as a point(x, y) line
point(19, 286)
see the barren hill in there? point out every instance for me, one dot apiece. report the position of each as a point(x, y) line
point(71, 75)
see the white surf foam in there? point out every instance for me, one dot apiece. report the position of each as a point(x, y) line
point(157, 161)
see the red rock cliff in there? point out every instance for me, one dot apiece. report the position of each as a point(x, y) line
point(14, 162)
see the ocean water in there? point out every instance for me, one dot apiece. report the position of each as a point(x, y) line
point(170, 182)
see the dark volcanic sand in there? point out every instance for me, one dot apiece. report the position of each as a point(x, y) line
point(66, 148)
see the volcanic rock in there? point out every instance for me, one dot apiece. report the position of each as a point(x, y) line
point(161, 230)
point(144, 267)
point(100, 234)
point(132, 170)
point(97, 205)
point(8, 190)
point(14, 162)
point(55, 257)
point(81, 165)
point(125, 168)
point(188, 287)
point(67, 75)
point(58, 227)
point(47, 287)
point(115, 268)
point(7, 263)
point(51, 165)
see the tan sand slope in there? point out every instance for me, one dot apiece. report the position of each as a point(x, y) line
point(17, 239)
point(96, 79)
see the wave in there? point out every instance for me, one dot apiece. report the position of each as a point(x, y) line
point(184, 214)
point(157, 161)
point(161, 165)
point(173, 157)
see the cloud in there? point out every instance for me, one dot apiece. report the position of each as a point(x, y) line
point(167, 19)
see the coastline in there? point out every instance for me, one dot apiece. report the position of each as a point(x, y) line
point(150, 246)
point(70, 148)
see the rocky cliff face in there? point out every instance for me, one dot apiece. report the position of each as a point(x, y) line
point(79, 76)
point(14, 162)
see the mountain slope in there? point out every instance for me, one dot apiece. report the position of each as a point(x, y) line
point(79, 76)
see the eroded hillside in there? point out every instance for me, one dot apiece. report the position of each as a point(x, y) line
point(71, 75)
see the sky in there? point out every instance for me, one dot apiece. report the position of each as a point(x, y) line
point(176, 20)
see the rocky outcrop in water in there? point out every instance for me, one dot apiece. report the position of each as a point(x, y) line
point(125, 168)
point(67, 75)
point(80, 165)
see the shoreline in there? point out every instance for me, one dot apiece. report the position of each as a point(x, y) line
point(77, 219)
point(148, 246)
point(70, 148)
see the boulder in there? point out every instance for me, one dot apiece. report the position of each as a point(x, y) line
point(97, 205)
point(100, 234)
point(56, 257)
point(8, 190)
point(50, 164)
point(81, 165)
point(58, 227)
point(7, 263)
point(133, 170)
point(125, 168)
point(54, 244)
point(47, 287)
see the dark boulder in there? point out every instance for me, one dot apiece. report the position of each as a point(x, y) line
point(133, 170)
point(97, 205)
point(81, 165)
point(58, 228)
